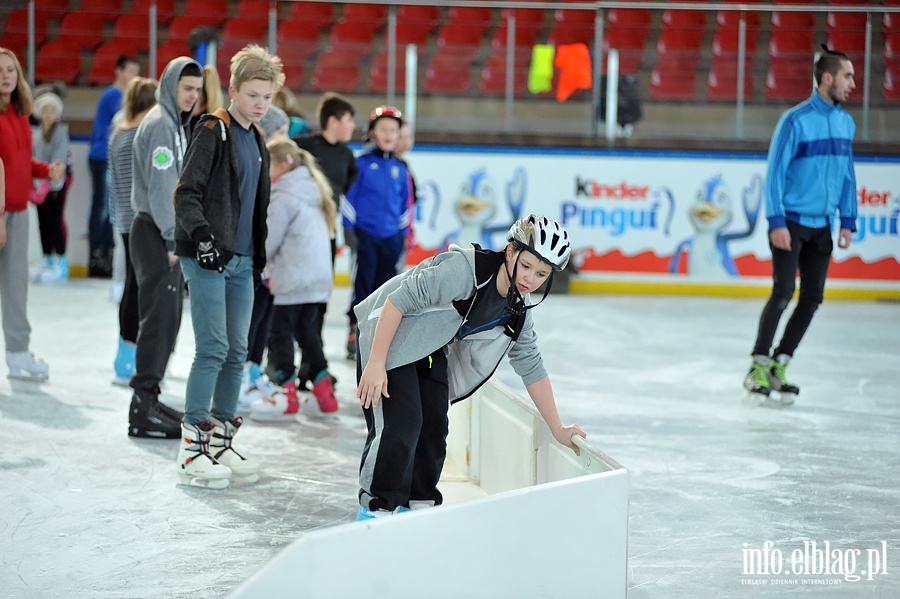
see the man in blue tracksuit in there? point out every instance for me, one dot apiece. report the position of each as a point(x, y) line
point(810, 174)
point(376, 212)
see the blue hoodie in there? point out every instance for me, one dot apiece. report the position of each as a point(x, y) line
point(810, 172)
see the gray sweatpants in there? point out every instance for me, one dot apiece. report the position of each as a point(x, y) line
point(14, 282)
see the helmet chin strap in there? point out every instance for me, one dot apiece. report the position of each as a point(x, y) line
point(515, 303)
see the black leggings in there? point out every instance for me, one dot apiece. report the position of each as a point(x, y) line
point(295, 322)
point(811, 254)
point(51, 222)
point(129, 307)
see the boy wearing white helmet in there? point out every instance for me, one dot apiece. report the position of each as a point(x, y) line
point(432, 336)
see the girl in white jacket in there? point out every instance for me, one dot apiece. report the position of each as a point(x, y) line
point(301, 220)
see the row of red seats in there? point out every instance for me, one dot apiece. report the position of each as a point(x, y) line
point(458, 42)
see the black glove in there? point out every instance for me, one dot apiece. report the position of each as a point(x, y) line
point(209, 256)
point(350, 239)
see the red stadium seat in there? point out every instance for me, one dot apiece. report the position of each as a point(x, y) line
point(726, 41)
point(15, 32)
point(254, 10)
point(104, 62)
point(293, 74)
point(353, 33)
point(493, 76)
point(731, 19)
point(105, 10)
point(131, 33)
point(848, 42)
point(523, 36)
point(182, 26)
point(50, 9)
point(892, 48)
point(478, 19)
point(297, 40)
point(417, 22)
point(81, 30)
point(723, 78)
point(335, 71)
point(798, 21)
point(370, 16)
point(678, 40)
point(460, 41)
point(168, 51)
point(574, 17)
point(572, 33)
point(213, 9)
point(788, 43)
point(846, 21)
point(56, 61)
point(378, 74)
point(237, 33)
point(448, 73)
point(789, 79)
point(692, 19)
point(633, 19)
point(891, 84)
point(318, 14)
point(630, 47)
point(890, 23)
point(674, 77)
point(165, 9)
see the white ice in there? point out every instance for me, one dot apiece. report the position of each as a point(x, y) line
point(655, 382)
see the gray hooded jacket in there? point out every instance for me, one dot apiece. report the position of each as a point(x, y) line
point(158, 149)
point(425, 296)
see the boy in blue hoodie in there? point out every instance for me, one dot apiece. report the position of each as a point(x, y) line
point(376, 212)
point(810, 175)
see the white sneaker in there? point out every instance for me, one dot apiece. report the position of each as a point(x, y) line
point(25, 366)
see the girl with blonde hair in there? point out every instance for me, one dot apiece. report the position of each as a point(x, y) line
point(301, 218)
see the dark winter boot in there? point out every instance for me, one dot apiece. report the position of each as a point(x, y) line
point(147, 418)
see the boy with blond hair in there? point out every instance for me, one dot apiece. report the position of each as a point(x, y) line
point(221, 204)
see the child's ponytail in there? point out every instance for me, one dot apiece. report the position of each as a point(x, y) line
point(286, 150)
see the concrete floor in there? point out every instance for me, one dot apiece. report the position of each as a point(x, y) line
point(655, 382)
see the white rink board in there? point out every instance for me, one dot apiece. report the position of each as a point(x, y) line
point(521, 542)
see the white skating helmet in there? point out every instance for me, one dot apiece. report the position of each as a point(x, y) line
point(544, 237)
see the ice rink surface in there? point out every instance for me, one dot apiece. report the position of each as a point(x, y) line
point(88, 512)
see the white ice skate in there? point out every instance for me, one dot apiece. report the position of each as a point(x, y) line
point(281, 406)
point(195, 466)
point(242, 469)
point(25, 366)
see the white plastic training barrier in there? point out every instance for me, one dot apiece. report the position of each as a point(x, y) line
point(552, 524)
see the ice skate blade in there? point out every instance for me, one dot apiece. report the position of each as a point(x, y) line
point(215, 484)
point(245, 479)
point(122, 381)
point(754, 399)
point(145, 434)
point(28, 378)
point(782, 400)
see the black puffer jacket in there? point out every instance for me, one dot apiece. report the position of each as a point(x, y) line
point(206, 197)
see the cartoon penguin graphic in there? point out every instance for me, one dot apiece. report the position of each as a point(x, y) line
point(708, 256)
point(476, 205)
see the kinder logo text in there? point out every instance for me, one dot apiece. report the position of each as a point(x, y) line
point(878, 216)
point(815, 559)
point(591, 188)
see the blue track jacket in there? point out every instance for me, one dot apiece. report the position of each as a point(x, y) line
point(378, 202)
point(810, 171)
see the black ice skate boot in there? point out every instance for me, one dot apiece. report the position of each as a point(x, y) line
point(757, 381)
point(787, 392)
point(146, 417)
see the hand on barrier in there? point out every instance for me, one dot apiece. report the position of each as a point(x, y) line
point(209, 256)
point(564, 435)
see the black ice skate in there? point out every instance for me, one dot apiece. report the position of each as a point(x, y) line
point(149, 418)
point(786, 392)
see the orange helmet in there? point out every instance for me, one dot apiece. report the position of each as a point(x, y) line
point(384, 111)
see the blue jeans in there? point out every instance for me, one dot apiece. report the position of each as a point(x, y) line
point(221, 304)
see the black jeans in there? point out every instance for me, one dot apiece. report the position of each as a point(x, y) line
point(260, 324)
point(289, 323)
point(811, 254)
point(407, 436)
point(161, 298)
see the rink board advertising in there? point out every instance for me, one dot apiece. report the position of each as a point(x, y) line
point(684, 217)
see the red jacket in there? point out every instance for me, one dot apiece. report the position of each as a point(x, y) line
point(20, 167)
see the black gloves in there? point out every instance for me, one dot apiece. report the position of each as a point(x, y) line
point(351, 240)
point(209, 256)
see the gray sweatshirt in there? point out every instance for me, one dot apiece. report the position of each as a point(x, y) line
point(425, 296)
point(159, 147)
point(298, 249)
point(56, 150)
